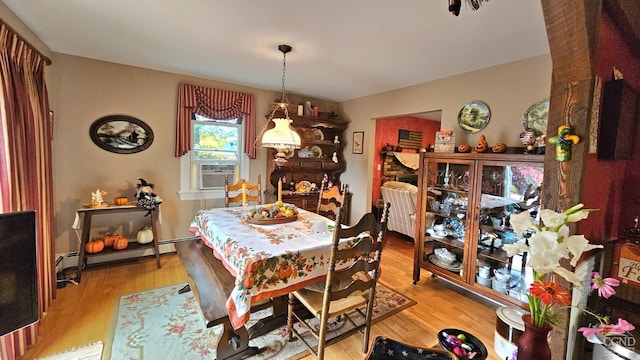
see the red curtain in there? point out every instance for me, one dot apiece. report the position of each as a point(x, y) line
point(25, 165)
point(214, 104)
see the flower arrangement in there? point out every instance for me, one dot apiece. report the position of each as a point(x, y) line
point(549, 242)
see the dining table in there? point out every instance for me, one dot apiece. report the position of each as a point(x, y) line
point(267, 261)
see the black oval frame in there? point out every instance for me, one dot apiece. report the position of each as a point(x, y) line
point(99, 139)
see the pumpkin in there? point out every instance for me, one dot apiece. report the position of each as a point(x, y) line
point(109, 240)
point(94, 246)
point(145, 235)
point(499, 148)
point(121, 200)
point(481, 145)
point(120, 243)
point(464, 148)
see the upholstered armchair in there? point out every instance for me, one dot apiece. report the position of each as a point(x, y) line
point(402, 213)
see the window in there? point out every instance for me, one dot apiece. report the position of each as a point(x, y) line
point(216, 152)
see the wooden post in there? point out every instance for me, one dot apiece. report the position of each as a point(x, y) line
point(571, 29)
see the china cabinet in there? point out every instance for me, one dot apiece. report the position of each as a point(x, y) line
point(464, 205)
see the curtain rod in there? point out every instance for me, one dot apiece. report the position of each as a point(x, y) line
point(21, 38)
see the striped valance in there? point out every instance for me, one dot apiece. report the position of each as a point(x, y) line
point(213, 104)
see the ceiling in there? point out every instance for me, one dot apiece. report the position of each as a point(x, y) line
point(342, 49)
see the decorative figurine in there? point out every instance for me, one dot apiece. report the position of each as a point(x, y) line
point(334, 157)
point(464, 148)
point(499, 148)
point(96, 198)
point(527, 138)
point(336, 140)
point(481, 145)
point(563, 143)
point(146, 197)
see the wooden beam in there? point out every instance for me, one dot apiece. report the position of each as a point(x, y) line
point(572, 27)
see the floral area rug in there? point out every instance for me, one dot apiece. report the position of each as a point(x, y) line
point(162, 324)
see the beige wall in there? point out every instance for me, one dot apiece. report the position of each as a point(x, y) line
point(507, 89)
point(86, 90)
point(83, 90)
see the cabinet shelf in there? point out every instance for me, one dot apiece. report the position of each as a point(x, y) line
point(448, 189)
point(133, 246)
point(449, 241)
point(507, 182)
point(493, 254)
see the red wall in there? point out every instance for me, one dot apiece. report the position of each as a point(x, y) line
point(612, 186)
point(387, 133)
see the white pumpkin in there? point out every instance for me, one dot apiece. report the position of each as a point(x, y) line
point(145, 235)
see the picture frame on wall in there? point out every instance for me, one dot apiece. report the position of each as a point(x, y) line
point(358, 142)
point(121, 134)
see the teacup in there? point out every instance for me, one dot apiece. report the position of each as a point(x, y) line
point(502, 275)
point(484, 271)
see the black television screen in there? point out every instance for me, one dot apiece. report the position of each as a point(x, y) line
point(18, 272)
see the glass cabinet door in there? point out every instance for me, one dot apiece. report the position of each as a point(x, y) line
point(505, 190)
point(447, 215)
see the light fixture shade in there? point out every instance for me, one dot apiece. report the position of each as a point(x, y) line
point(282, 136)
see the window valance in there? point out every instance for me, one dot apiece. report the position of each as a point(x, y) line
point(213, 104)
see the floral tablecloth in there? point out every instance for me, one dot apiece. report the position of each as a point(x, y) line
point(267, 260)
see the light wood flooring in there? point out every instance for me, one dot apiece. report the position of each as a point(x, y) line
point(83, 313)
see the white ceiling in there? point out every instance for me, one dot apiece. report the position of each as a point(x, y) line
point(342, 49)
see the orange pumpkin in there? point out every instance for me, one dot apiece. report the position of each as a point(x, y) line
point(109, 240)
point(121, 200)
point(499, 148)
point(481, 145)
point(464, 148)
point(94, 246)
point(120, 243)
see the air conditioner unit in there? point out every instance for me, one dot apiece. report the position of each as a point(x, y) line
point(212, 175)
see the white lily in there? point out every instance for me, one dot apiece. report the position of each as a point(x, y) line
point(521, 222)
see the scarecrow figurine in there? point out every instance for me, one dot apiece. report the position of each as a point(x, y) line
point(146, 197)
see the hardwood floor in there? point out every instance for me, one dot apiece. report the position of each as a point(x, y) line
point(83, 313)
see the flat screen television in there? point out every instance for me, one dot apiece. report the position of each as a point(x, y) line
point(18, 272)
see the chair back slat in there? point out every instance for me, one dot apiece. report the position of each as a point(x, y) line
point(253, 191)
point(330, 199)
point(365, 245)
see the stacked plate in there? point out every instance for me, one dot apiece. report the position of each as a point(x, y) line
point(454, 266)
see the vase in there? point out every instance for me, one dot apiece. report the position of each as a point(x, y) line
point(533, 344)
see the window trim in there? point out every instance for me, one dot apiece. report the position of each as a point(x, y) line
point(187, 192)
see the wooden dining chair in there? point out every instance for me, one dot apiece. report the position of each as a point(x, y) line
point(233, 192)
point(349, 292)
point(331, 199)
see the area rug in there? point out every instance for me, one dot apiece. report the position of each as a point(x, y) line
point(162, 324)
point(88, 352)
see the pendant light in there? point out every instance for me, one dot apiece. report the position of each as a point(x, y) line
point(282, 137)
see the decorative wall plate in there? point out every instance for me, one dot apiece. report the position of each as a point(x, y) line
point(536, 116)
point(317, 152)
point(318, 134)
point(474, 116)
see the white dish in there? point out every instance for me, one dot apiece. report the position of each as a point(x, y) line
point(445, 255)
point(317, 152)
point(499, 286)
point(317, 134)
point(483, 281)
point(455, 266)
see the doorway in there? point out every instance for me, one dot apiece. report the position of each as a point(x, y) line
point(389, 133)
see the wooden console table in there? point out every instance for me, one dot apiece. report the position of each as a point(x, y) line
point(88, 214)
